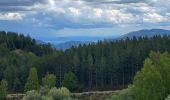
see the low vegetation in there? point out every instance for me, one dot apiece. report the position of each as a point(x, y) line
point(53, 94)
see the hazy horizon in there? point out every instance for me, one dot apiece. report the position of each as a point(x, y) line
point(55, 20)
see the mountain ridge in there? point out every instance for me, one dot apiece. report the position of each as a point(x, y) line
point(146, 33)
point(139, 33)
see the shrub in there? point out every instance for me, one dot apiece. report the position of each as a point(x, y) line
point(126, 94)
point(32, 95)
point(59, 94)
point(47, 98)
point(44, 90)
point(3, 89)
point(168, 98)
point(114, 97)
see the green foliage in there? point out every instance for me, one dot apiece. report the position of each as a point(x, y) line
point(47, 98)
point(59, 94)
point(151, 83)
point(114, 97)
point(32, 81)
point(168, 98)
point(54, 94)
point(126, 94)
point(70, 81)
point(102, 65)
point(3, 89)
point(49, 80)
point(32, 95)
point(44, 90)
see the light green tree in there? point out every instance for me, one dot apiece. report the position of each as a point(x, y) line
point(32, 81)
point(49, 80)
point(3, 89)
point(148, 84)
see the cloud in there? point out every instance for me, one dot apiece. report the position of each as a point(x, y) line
point(153, 18)
point(59, 14)
point(11, 16)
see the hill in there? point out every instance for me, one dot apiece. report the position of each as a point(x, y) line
point(69, 44)
point(137, 34)
point(146, 33)
point(14, 41)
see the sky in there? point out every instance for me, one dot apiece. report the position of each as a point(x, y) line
point(68, 20)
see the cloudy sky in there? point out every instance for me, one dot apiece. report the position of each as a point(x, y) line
point(61, 20)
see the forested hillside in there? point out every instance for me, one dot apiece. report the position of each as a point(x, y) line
point(101, 66)
point(14, 41)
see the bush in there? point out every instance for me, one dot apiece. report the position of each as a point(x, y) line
point(114, 97)
point(168, 98)
point(3, 89)
point(44, 90)
point(32, 95)
point(54, 94)
point(126, 94)
point(47, 98)
point(59, 94)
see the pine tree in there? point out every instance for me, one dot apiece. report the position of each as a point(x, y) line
point(32, 81)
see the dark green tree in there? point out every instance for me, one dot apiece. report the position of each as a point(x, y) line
point(70, 81)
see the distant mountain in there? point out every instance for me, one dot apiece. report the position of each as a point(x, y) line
point(69, 44)
point(140, 33)
point(146, 33)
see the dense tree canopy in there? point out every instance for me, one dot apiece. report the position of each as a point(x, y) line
point(101, 65)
